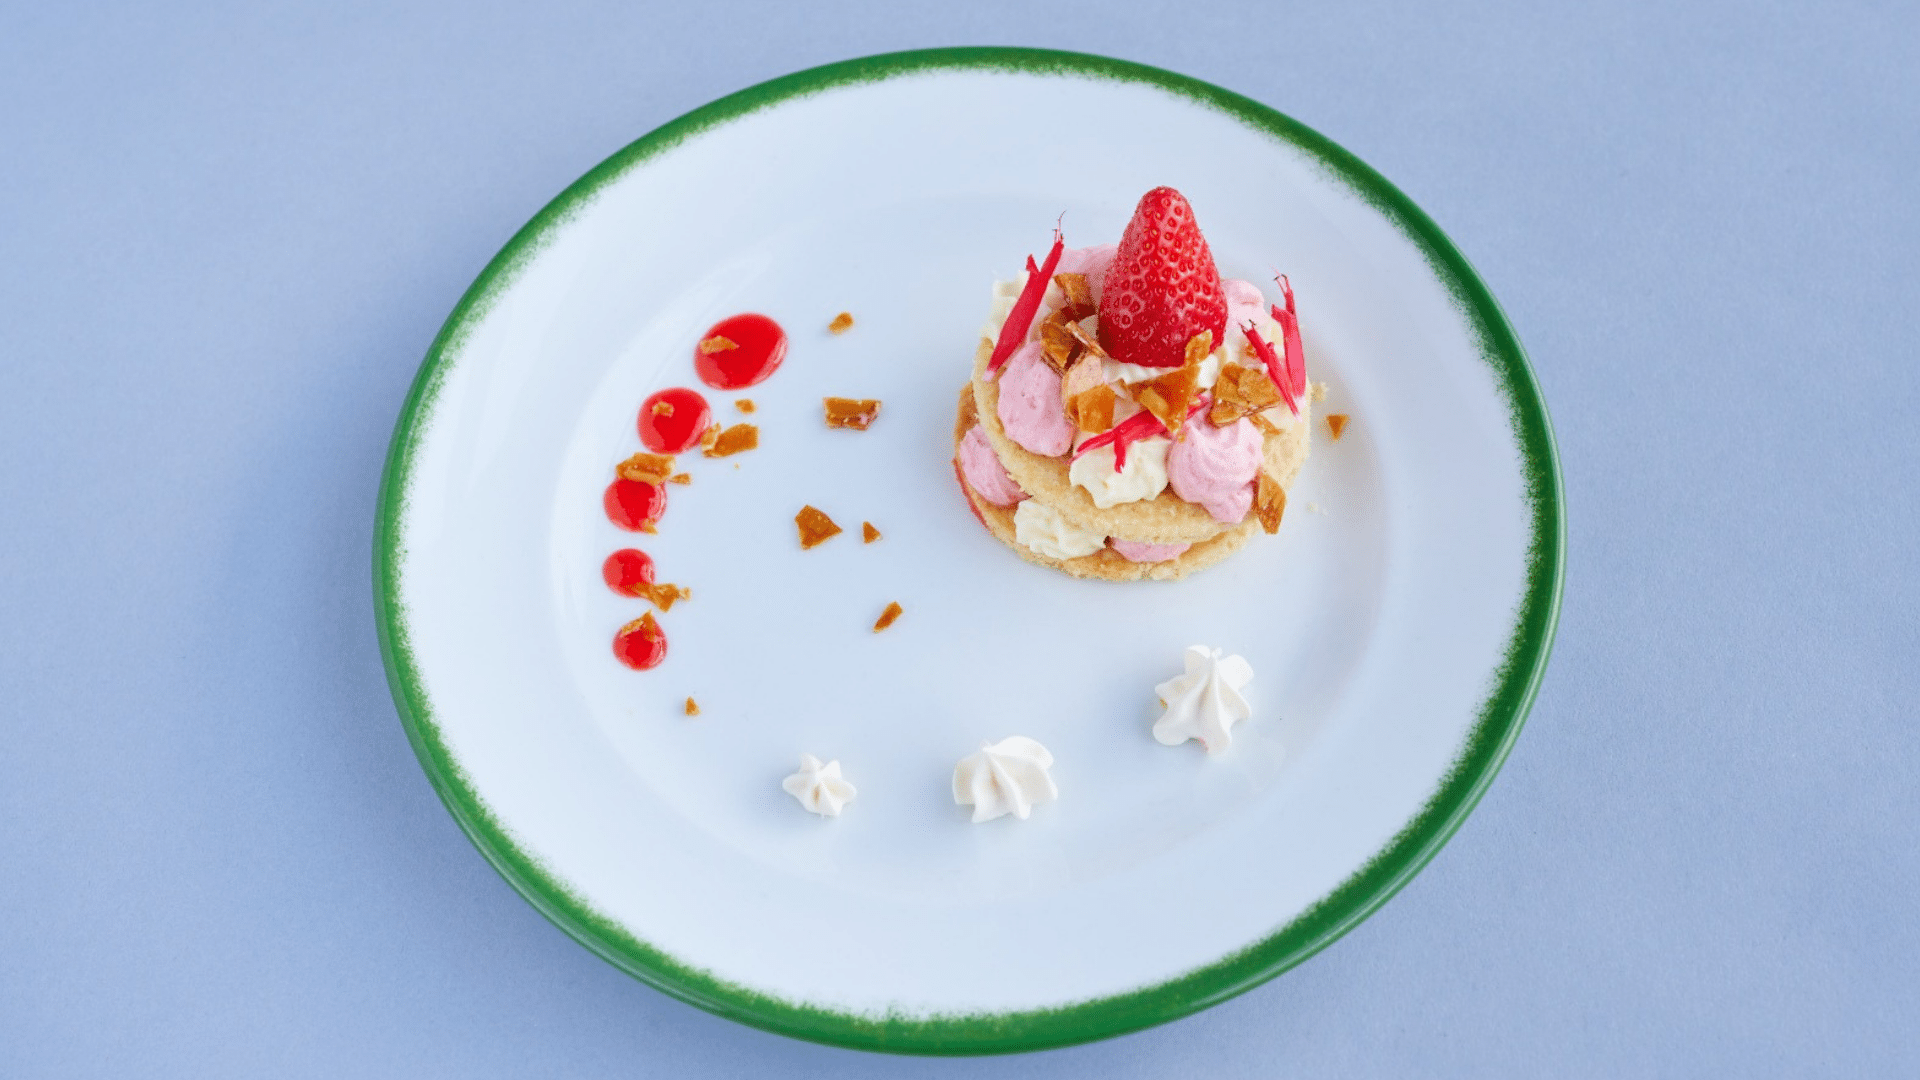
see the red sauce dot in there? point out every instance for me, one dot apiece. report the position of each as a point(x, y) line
point(759, 343)
point(627, 571)
point(632, 504)
point(671, 421)
point(641, 644)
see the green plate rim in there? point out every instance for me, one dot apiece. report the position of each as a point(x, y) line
point(1511, 693)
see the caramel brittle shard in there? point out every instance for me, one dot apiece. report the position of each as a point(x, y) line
point(1086, 340)
point(1269, 501)
point(1085, 374)
point(646, 468)
point(886, 617)
point(1200, 346)
point(1169, 396)
point(680, 478)
point(1091, 410)
point(868, 534)
point(1336, 423)
point(1241, 391)
point(716, 343)
point(1079, 295)
point(664, 595)
point(663, 408)
point(693, 707)
point(731, 441)
point(841, 323)
point(1058, 346)
point(815, 527)
point(745, 404)
point(1265, 425)
point(707, 438)
point(855, 413)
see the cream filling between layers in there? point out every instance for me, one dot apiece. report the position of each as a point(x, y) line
point(1043, 530)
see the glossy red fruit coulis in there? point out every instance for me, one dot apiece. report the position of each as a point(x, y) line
point(633, 503)
point(639, 649)
point(761, 345)
point(671, 421)
point(627, 570)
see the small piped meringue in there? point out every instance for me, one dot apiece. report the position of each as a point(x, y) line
point(1205, 702)
point(819, 788)
point(1007, 777)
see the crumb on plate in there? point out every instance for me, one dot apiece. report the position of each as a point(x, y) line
point(887, 617)
point(841, 323)
point(731, 441)
point(868, 534)
point(855, 413)
point(815, 527)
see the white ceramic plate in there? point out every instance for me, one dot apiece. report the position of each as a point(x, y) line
point(1397, 634)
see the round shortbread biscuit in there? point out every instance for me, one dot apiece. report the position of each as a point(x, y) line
point(1105, 564)
point(1164, 519)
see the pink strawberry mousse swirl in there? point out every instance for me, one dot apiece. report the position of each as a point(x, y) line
point(1030, 403)
point(1030, 390)
point(1089, 261)
point(1134, 551)
point(1215, 466)
point(1245, 304)
point(984, 473)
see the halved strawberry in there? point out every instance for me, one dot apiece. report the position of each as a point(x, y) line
point(1162, 288)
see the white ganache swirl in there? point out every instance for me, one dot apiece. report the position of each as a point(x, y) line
point(1144, 476)
point(820, 788)
point(1205, 702)
point(1007, 777)
point(1042, 529)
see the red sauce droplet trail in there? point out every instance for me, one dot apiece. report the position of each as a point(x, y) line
point(628, 571)
point(671, 421)
point(635, 505)
point(752, 349)
point(641, 644)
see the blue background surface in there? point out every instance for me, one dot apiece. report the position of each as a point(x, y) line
point(230, 234)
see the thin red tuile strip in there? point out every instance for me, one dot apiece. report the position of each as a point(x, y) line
point(1272, 361)
point(1141, 425)
point(1290, 335)
point(1020, 319)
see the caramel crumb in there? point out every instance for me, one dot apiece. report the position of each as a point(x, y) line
point(693, 707)
point(644, 626)
point(815, 527)
point(887, 617)
point(647, 468)
point(1269, 501)
point(664, 595)
point(716, 343)
point(868, 534)
point(1336, 423)
point(648, 528)
point(855, 413)
point(663, 408)
point(1265, 425)
point(841, 323)
point(731, 441)
point(680, 478)
point(745, 404)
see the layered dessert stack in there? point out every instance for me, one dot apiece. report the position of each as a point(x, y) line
point(1130, 414)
